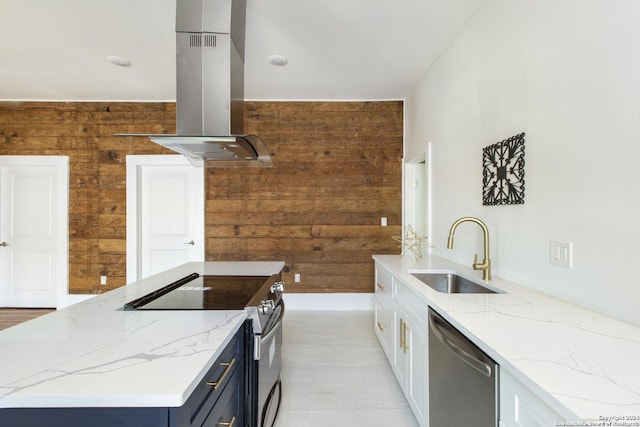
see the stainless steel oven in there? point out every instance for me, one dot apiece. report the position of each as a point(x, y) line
point(269, 366)
point(261, 297)
point(266, 311)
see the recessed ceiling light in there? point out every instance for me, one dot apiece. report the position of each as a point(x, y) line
point(278, 60)
point(118, 60)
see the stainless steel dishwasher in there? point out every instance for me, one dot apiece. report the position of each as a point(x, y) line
point(463, 380)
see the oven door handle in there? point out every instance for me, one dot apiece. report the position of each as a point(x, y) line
point(273, 330)
point(259, 339)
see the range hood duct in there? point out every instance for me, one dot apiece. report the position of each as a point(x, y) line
point(210, 38)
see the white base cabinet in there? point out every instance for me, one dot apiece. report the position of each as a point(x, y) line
point(519, 407)
point(383, 313)
point(413, 358)
point(400, 317)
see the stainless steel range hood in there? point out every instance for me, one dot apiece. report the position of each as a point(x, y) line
point(210, 87)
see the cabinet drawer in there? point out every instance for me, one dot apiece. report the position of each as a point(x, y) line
point(415, 306)
point(384, 283)
point(229, 410)
point(230, 363)
point(384, 327)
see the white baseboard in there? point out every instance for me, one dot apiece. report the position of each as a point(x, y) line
point(336, 302)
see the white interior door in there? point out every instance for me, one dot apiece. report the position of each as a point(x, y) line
point(33, 230)
point(170, 213)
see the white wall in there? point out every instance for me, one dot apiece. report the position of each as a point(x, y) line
point(568, 74)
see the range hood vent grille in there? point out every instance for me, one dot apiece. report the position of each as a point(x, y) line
point(195, 40)
point(200, 40)
point(210, 40)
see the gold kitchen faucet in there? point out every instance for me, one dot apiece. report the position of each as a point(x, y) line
point(485, 266)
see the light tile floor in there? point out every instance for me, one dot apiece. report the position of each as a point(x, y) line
point(336, 374)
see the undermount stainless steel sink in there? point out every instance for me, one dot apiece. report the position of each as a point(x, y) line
point(451, 283)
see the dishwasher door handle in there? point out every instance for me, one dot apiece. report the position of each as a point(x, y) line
point(467, 358)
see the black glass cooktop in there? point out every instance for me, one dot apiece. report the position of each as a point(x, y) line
point(195, 292)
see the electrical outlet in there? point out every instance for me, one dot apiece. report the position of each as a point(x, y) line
point(383, 221)
point(560, 254)
point(103, 280)
point(296, 278)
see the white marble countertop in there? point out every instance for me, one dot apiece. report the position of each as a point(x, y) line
point(583, 364)
point(94, 354)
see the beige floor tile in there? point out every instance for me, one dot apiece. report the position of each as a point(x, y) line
point(336, 374)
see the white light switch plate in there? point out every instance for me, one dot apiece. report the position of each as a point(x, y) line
point(560, 254)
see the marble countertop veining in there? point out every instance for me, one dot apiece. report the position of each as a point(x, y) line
point(582, 363)
point(94, 354)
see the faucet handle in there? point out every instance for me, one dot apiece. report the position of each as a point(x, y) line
point(479, 266)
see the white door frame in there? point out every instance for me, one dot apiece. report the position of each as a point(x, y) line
point(134, 163)
point(61, 164)
point(417, 193)
point(414, 209)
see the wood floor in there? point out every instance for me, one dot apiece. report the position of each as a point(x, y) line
point(13, 316)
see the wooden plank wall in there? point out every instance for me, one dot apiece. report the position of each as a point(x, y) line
point(97, 171)
point(337, 171)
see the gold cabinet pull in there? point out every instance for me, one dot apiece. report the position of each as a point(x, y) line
point(406, 347)
point(381, 286)
point(229, 424)
point(401, 334)
point(216, 384)
point(380, 326)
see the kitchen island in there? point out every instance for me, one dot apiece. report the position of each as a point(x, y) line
point(96, 355)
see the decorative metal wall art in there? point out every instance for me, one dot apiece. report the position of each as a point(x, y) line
point(503, 172)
